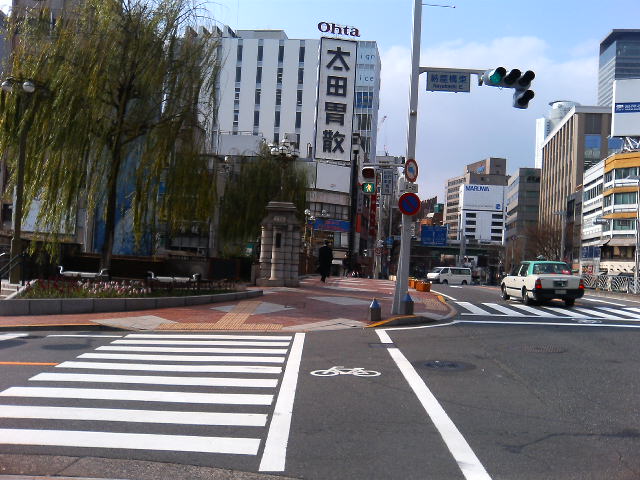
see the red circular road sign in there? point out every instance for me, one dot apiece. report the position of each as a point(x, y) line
point(411, 170)
point(409, 203)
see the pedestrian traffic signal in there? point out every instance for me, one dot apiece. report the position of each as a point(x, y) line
point(369, 173)
point(369, 187)
point(498, 77)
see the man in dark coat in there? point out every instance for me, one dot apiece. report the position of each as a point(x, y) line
point(325, 258)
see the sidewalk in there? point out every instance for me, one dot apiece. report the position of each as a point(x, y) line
point(340, 303)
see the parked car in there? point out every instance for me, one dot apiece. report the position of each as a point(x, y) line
point(451, 275)
point(539, 281)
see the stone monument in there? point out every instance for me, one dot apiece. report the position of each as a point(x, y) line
point(280, 246)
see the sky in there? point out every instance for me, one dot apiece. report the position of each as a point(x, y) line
point(557, 39)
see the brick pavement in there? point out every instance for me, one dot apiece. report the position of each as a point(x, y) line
point(340, 303)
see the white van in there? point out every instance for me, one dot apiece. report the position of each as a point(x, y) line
point(452, 275)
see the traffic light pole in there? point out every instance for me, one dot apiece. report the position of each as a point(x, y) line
point(402, 274)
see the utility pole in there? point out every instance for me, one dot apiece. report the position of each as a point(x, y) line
point(402, 274)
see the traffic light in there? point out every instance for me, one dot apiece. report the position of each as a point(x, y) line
point(369, 173)
point(369, 176)
point(369, 187)
point(498, 77)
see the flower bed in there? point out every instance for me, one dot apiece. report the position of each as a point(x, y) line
point(106, 289)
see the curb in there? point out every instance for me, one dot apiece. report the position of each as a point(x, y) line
point(59, 326)
point(404, 320)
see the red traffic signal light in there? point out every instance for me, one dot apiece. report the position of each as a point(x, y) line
point(368, 173)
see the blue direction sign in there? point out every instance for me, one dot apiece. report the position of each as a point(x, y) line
point(409, 203)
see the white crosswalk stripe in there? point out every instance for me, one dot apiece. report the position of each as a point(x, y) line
point(549, 311)
point(147, 399)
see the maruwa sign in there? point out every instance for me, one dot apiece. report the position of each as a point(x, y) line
point(476, 188)
point(326, 27)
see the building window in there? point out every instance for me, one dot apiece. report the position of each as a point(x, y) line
point(300, 76)
point(239, 53)
point(257, 101)
point(496, 239)
point(301, 54)
point(280, 53)
point(496, 224)
point(298, 141)
point(278, 97)
point(260, 52)
point(279, 75)
point(236, 115)
point(256, 118)
point(496, 215)
point(496, 230)
point(471, 222)
point(236, 97)
point(276, 137)
point(238, 74)
point(298, 119)
point(624, 225)
point(471, 215)
point(276, 123)
point(624, 198)
point(259, 75)
point(299, 98)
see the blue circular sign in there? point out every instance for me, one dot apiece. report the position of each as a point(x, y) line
point(409, 203)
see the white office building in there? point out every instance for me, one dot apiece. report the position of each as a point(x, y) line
point(268, 86)
point(482, 213)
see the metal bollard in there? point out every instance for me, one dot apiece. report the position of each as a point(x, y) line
point(374, 311)
point(406, 305)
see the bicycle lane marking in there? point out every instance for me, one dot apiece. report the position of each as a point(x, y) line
point(467, 460)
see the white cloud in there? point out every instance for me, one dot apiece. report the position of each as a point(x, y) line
point(455, 129)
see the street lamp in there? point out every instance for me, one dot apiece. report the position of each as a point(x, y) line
point(285, 151)
point(20, 87)
point(636, 178)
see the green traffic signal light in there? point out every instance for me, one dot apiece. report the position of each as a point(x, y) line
point(369, 187)
point(497, 75)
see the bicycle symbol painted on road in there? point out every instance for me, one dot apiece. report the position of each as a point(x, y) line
point(340, 370)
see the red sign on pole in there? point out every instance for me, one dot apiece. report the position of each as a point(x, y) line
point(409, 203)
point(411, 170)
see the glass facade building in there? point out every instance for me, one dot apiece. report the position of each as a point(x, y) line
point(619, 58)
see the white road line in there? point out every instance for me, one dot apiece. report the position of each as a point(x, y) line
point(220, 343)
point(537, 312)
point(216, 337)
point(138, 416)
point(474, 309)
point(633, 309)
point(151, 367)
point(137, 441)
point(569, 313)
point(11, 336)
point(275, 447)
point(591, 299)
point(467, 460)
point(542, 324)
point(78, 335)
point(183, 358)
point(444, 295)
point(501, 308)
point(138, 395)
point(274, 351)
point(158, 380)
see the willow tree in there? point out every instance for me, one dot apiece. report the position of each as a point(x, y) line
point(117, 81)
point(260, 180)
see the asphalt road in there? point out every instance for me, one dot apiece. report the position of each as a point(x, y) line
point(520, 397)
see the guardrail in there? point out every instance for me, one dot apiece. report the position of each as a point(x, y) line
point(610, 283)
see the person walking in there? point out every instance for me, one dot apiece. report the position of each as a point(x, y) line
point(325, 258)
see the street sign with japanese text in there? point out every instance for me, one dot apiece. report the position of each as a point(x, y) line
point(336, 90)
point(448, 81)
point(386, 187)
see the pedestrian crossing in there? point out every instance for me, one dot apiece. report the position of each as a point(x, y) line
point(513, 310)
point(208, 394)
